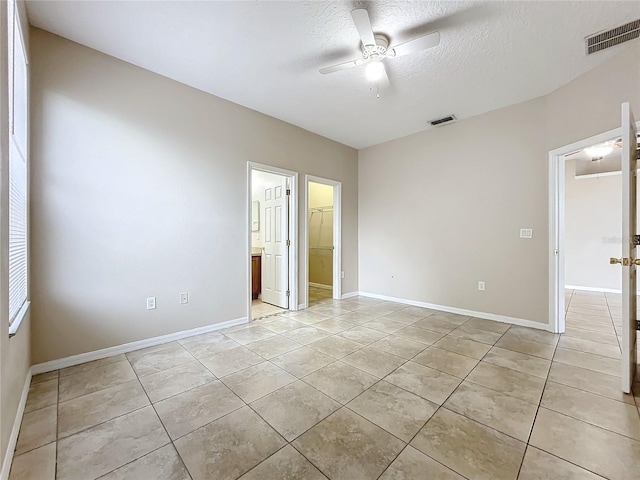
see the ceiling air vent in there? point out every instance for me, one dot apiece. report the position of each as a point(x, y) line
point(442, 121)
point(615, 36)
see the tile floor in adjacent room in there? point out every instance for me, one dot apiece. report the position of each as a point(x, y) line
point(352, 389)
point(260, 309)
point(318, 294)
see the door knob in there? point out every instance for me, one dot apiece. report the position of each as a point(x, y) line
point(624, 261)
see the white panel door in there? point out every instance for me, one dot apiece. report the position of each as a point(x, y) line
point(275, 255)
point(629, 312)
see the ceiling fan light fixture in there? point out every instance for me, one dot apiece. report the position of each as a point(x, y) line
point(374, 71)
point(599, 151)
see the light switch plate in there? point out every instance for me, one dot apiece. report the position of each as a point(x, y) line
point(481, 286)
point(526, 233)
point(151, 303)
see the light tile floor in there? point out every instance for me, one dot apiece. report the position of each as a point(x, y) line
point(353, 389)
point(316, 294)
point(260, 309)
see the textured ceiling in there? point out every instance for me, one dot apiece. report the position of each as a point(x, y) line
point(266, 55)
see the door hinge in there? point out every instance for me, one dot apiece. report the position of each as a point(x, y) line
point(288, 293)
point(637, 324)
point(288, 243)
point(288, 191)
point(635, 240)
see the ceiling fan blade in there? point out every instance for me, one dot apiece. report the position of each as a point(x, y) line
point(572, 153)
point(383, 81)
point(415, 45)
point(342, 66)
point(363, 25)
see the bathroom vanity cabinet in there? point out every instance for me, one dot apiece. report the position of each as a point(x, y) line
point(256, 275)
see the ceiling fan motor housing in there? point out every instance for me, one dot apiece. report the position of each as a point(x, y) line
point(377, 51)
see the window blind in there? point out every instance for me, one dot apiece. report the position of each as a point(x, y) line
point(18, 144)
point(17, 231)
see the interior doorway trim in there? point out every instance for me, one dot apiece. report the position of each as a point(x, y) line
point(557, 222)
point(293, 231)
point(337, 235)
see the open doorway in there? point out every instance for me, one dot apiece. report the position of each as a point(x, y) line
point(592, 233)
point(324, 275)
point(593, 222)
point(585, 228)
point(272, 240)
point(596, 319)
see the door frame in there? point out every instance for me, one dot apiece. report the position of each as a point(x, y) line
point(293, 230)
point(337, 235)
point(557, 188)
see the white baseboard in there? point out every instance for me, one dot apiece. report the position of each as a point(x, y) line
point(350, 295)
point(461, 311)
point(592, 289)
point(320, 285)
point(129, 347)
point(13, 438)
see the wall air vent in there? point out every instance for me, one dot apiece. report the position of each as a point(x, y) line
point(615, 36)
point(443, 121)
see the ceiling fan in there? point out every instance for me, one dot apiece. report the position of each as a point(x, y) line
point(375, 48)
point(597, 152)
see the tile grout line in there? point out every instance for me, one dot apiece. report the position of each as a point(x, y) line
point(136, 459)
point(587, 391)
point(55, 474)
point(335, 360)
point(342, 405)
point(160, 420)
point(345, 405)
point(287, 442)
point(560, 413)
point(438, 409)
point(535, 417)
point(135, 409)
point(594, 393)
point(540, 406)
point(613, 324)
point(492, 346)
point(142, 386)
point(244, 346)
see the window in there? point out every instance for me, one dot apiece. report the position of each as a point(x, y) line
point(18, 163)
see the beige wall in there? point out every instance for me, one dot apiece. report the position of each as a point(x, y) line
point(320, 234)
point(441, 210)
point(139, 189)
point(14, 352)
point(593, 226)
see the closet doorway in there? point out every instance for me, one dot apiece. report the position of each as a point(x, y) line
point(323, 259)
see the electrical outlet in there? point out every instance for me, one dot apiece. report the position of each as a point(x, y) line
point(184, 297)
point(526, 233)
point(481, 286)
point(342, 274)
point(151, 303)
